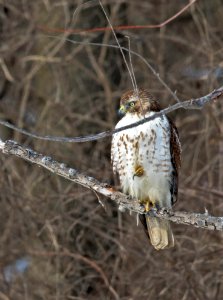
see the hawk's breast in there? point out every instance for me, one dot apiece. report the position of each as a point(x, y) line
point(148, 146)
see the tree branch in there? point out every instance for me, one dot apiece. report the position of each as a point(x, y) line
point(196, 219)
point(197, 103)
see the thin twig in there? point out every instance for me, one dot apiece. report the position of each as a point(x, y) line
point(84, 259)
point(143, 59)
point(204, 221)
point(121, 27)
point(197, 103)
point(117, 41)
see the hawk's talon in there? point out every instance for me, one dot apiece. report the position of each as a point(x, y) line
point(138, 171)
point(151, 212)
point(157, 206)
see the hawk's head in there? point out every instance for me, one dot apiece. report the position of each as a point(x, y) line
point(139, 102)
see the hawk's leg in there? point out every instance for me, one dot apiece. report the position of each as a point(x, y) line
point(139, 171)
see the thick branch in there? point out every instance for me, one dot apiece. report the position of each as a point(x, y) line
point(197, 103)
point(197, 220)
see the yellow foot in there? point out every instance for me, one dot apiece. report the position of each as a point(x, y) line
point(148, 204)
point(138, 171)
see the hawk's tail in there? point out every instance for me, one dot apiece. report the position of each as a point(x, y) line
point(160, 233)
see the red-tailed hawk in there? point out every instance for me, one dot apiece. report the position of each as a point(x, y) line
point(147, 159)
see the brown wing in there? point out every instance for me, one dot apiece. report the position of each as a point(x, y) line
point(175, 151)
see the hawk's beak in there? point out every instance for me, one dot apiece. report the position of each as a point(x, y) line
point(122, 110)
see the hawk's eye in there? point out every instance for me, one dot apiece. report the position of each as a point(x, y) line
point(132, 104)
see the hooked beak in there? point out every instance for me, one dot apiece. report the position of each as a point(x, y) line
point(122, 110)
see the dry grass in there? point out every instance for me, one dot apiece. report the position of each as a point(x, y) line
point(76, 249)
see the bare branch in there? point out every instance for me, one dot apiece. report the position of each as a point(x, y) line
point(143, 59)
point(197, 103)
point(121, 27)
point(196, 219)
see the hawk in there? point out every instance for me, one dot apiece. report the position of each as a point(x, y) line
point(147, 160)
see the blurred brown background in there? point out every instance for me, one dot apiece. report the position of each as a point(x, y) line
point(56, 241)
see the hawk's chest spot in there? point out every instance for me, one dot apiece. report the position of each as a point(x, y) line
point(147, 151)
point(143, 150)
point(133, 149)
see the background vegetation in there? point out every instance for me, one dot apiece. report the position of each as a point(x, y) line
point(57, 241)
